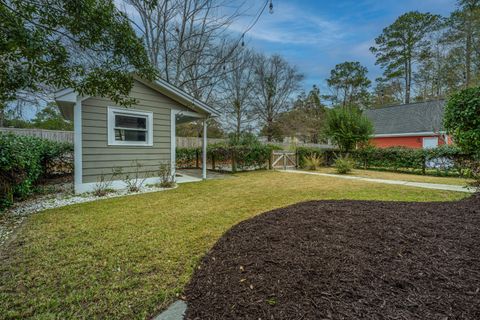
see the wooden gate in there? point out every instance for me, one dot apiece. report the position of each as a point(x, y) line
point(284, 160)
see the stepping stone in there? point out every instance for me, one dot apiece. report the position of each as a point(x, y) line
point(176, 311)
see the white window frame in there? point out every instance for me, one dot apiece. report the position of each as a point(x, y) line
point(112, 111)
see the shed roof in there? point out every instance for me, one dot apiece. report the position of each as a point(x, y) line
point(68, 96)
point(421, 117)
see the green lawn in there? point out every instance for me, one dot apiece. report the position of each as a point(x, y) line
point(401, 176)
point(129, 257)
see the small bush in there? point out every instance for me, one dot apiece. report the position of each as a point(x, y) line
point(104, 182)
point(24, 160)
point(313, 162)
point(134, 181)
point(343, 165)
point(167, 180)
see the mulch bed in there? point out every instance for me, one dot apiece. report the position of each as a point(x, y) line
point(345, 260)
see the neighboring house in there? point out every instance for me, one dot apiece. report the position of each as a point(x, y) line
point(414, 125)
point(108, 136)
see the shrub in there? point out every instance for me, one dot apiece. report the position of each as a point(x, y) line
point(23, 161)
point(343, 165)
point(133, 180)
point(327, 155)
point(166, 177)
point(347, 128)
point(443, 160)
point(247, 153)
point(103, 185)
point(187, 157)
point(461, 120)
point(475, 173)
point(313, 162)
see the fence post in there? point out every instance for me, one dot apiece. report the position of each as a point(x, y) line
point(270, 159)
point(213, 161)
point(196, 159)
point(424, 164)
point(234, 160)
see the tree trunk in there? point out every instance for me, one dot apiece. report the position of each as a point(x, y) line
point(408, 79)
point(269, 129)
point(468, 54)
point(269, 136)
point(2, 114)
point(239, 120)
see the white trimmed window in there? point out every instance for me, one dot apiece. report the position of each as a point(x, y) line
point(129, 127)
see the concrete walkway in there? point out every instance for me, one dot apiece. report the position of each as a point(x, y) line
point(446, 187)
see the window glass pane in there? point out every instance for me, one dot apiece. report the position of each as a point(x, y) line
point(133, 122)
point(130, 135)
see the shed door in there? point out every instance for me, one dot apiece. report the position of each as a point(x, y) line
point(430, 142)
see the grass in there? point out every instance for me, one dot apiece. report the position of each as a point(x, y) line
point(400, 176)
point(129, 257)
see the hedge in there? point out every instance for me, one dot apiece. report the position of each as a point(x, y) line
point(240, 157)
point(444, 160)
point(23, 161)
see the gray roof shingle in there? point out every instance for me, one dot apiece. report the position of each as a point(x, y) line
point(408, 118)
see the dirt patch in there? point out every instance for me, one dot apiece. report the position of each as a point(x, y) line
point(345, 260)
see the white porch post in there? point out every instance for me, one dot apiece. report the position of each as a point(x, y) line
point(173, 143)
point(204, 150)
point(77, 145)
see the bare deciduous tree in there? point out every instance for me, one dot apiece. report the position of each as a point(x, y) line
point(187, 40)
point(275, 83)
point(237, 88)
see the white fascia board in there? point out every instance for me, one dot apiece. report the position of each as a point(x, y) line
point(408, 134)
point(177, 94)
point(181, 113)
point(68, 95)
point(199, 104)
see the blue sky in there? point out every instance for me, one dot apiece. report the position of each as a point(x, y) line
point(316, 35)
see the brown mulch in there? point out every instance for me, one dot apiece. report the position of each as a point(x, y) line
point(345, 260)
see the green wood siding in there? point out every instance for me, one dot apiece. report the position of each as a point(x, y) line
point(99, 158)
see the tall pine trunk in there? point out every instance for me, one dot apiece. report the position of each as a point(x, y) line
point(468, 53)
point(407, 80)
point(2, 114)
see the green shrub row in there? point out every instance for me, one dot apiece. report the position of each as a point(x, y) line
point(444, 160)
point(239, 157)
point(23, 161)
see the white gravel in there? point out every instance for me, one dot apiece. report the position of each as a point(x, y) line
point(15, 215)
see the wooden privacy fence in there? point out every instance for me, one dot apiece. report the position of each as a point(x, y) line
point(54, 135)
point(194, 142)
point(67, 136)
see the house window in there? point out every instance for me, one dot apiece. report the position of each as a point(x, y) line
point(129, 127)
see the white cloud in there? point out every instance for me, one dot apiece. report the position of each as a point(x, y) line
point(291, 25)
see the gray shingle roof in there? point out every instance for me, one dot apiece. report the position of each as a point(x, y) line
point(408, 118)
